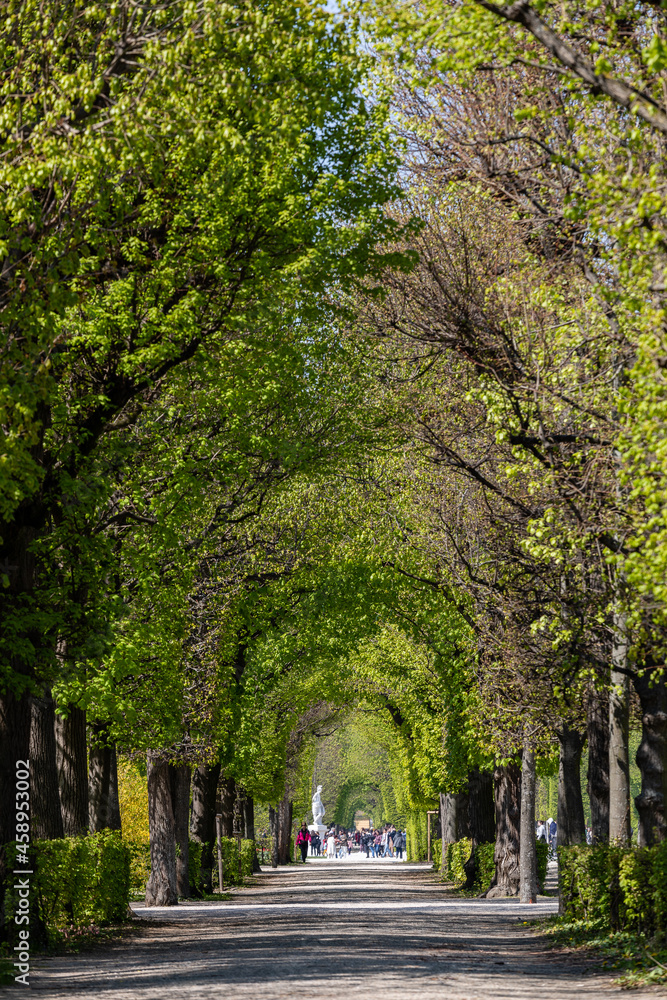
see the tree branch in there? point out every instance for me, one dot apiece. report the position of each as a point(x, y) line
point(622, 93)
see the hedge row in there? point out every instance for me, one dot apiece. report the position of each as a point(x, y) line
point(77, 881)
point(140, 864)
point(230, 857)
point(458, 853)
point(621, 888)
point(456, 856)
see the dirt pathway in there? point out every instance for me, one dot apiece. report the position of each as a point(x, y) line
point(347, 929)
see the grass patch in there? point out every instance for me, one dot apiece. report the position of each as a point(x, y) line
point(640, 962)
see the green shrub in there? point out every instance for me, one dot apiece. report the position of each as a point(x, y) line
point(79, 881)
point(458, 854)
point(486, 866)
point(195, 850)
point(619, 888)
point(542, 859)
point(140, 865)
point(230, 858)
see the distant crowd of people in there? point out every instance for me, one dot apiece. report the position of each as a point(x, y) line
point(387, 842)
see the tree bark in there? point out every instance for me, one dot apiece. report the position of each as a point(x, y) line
point(161, 888)
point(598, 765)
point(507, 794)
point(273, 830)
point(571, 824)
point(113, 816)
point(227, 791)
point(46, 817)
point(103, 803)
point(202, 820)
point(481, 819)
point(248, 807)
point(619, 733)
point(16, 539)
point(528, 850)
point(15, 714)
point(281, 830)
point(72, 758)
point(481, 810)
point(248, 817)
point(180, 797)
point(652, 758)
point(453, 816)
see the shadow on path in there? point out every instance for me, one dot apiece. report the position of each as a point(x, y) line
point(323, 929)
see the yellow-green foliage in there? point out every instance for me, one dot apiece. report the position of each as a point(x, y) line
point(79, 881)
point(457, 854)
point(133, 796)
point(417, 836)
point(140, 863)
point(624, 888)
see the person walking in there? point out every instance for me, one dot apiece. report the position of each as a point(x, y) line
point(331, 844)
point(302, 841)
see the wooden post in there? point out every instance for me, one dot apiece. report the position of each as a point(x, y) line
point(218, 833)
point(429, 813)
point(238, 841)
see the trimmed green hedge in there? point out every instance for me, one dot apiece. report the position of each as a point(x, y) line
point(622, 888)
point(458, 854)
point(140, 862)
point(542, 858)
point(230, 857)
point(78, 881)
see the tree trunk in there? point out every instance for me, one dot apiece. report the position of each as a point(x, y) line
point(481, 819)
point(226, 808)
point(652, 759)
point(15, 714)
point(202, 820)
point(161, 888)
point(46, 818)
point(528, 850)
point(103, 804)
point(453, 816)
point(619, 732)
point(72, 758)
point(18, 558)
point(481, 810)
point(507, 793)
point(248, 817)
point(571, 825)
point(180, 797)
point(281, 830)
point(598, 765)
point(249, 827)
point(273, 830)
point(113, 816)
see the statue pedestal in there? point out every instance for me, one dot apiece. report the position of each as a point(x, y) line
point(321, 829)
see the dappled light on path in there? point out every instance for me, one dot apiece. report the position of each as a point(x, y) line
point(344, 929)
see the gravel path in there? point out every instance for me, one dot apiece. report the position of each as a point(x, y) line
point(344, 928)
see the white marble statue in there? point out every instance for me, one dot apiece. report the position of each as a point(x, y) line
point(318, 808)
